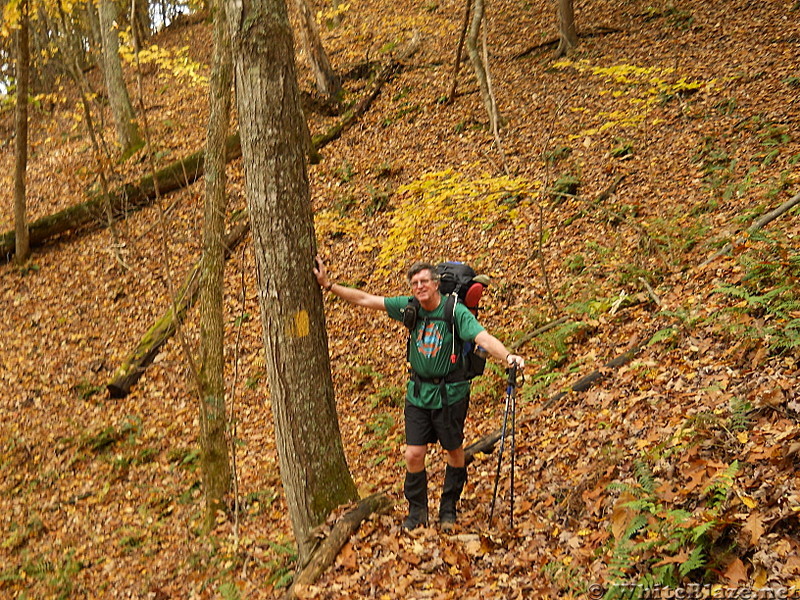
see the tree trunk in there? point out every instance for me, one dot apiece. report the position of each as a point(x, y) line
point(127, 129)
point(124, 200)
point(566, 27)
point(96, 43)
point(140, 19)
point(328, 82)
point(213, 414)
point(459, 51)
point(480, 66)
point(314, 471)
point(132, 368)
point(22, 238)
point(43, 72)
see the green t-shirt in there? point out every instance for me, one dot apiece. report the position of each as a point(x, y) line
point(431, 349)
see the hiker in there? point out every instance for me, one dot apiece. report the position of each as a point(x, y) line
point(437, 395)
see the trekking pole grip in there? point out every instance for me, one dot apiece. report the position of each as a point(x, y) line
point(512, 376)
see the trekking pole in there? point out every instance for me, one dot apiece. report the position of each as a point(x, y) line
point(512, 382)
point(513, 442)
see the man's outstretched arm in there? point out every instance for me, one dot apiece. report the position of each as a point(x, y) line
point(352, 295)
point(496, 348)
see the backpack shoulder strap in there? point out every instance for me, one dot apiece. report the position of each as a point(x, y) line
point(450, 310)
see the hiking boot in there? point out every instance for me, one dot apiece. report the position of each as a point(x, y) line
point(416, 492)
point(454, 480)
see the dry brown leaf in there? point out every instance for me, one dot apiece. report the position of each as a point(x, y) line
point(736, 573)
point(755, 527)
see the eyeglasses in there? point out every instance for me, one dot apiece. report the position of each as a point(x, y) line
point(420, 282)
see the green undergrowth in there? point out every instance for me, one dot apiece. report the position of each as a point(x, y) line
point(765, 300)
point(658, 544)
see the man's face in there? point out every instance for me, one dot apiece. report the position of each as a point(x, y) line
point(423, 286)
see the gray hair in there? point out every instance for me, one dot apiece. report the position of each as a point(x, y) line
point(420, 266)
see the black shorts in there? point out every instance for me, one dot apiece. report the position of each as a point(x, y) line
point(425, 426)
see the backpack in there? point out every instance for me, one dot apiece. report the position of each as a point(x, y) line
point(458, 283)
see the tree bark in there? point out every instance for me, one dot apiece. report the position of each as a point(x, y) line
point(568, 37)
point(480, 67)
point(96, 39)
point(314, 471)
point(22, 237)
point(127, 129)
point(140, 19)
point(213, 412)
point(459, 52)
point(328, 82)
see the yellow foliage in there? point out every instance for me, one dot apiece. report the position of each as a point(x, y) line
point(327, 222)
point(332, 13)
point(176, 62)
point(11, 16)
point(439, 200)
point(640, 88)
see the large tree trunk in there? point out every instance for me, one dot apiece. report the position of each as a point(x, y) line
point(314, 471)
point(127, 129)
point(568, 37)
point(213, 414)
point(328, 82)
point(23, 248)
point(134, 366)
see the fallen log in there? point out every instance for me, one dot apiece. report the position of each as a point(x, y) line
point(327, 551)
point(135, 196)
point(131, 370)
point(763, 220)
point(124, 200)
point(350, 116)
point(487, 443)
point(145, 352)
point(540, 330)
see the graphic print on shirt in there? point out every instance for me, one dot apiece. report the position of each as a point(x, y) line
point(429, 340)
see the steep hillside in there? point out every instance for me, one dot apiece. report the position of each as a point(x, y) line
point(667, 133)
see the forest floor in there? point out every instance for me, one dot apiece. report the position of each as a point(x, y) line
point(678, 468)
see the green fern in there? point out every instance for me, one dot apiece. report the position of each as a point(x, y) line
point(644, 475)
point(702, 529)
point(769, 291)
point(622, 560)
point(717, 491)
point(555, 344)
point(741, 410)
point(229, 591)
point(657, 531)
point(696, 560)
